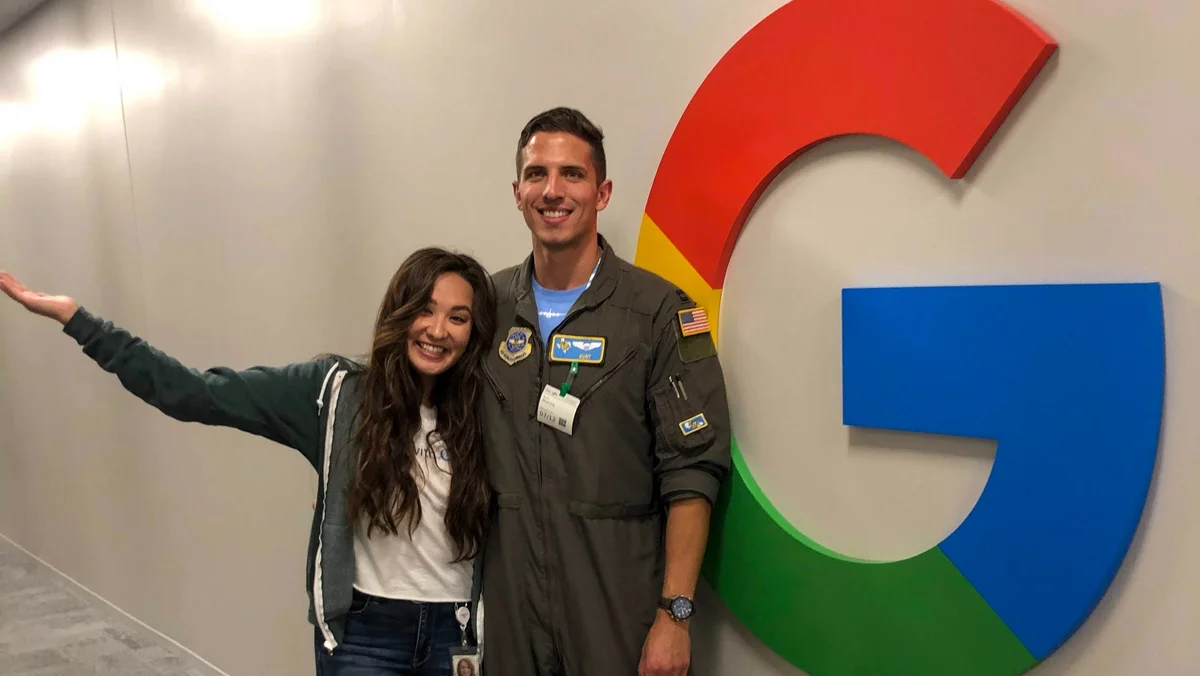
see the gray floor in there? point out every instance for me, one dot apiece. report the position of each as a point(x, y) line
point(51, 627)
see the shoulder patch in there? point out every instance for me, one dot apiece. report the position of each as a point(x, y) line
point(693, 320)
point(696, 347)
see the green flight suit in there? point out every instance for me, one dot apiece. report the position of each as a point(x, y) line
point(573, 567)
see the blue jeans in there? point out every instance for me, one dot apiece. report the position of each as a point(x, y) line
point(386, 637)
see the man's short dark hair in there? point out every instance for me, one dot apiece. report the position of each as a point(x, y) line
point(573, 122)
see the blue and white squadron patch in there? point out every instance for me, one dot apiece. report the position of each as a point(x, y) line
point(516, 346)
point(693, 424)
point(582, 349)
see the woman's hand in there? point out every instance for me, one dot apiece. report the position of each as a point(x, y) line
point(60, 308)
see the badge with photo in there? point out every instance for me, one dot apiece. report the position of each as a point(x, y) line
point(464, 662)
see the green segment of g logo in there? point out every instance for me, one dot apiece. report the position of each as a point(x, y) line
point(1022, 572)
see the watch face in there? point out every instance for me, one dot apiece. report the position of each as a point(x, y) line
point(681, 608)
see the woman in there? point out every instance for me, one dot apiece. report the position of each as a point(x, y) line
point(394, 531)
point(465, 667)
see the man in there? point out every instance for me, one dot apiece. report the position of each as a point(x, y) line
point(605, 412)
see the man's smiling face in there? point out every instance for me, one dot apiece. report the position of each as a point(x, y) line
point(558, 191)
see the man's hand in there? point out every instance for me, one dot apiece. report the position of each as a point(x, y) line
point(668, 648)
point(59, 308)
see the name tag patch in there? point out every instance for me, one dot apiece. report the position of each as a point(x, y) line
point(693, 424)
point(582, 349)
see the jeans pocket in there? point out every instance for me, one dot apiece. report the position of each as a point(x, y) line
point(359, 603)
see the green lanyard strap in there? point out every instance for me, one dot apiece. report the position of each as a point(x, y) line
point(566, 386)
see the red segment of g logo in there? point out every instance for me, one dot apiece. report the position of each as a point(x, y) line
point(939, 76)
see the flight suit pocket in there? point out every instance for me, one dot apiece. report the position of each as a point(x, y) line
point(682, 424)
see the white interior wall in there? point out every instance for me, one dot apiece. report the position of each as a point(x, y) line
point(241, 189)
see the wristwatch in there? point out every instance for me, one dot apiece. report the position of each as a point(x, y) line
point(678, 607)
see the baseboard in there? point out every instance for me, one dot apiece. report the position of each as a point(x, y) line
point(114, 606)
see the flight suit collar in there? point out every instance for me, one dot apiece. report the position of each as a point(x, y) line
point(603, 285)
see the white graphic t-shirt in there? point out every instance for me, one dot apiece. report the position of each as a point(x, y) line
point(417, 568)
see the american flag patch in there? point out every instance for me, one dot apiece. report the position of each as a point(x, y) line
point(693, 321)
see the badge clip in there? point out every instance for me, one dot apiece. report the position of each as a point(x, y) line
point(566, 386)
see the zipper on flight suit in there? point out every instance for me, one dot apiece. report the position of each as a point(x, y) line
point(543, 380)
point(487, 375)
point(603, 379)
point(555, 633)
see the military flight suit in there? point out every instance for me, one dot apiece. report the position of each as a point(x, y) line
point(573, 567)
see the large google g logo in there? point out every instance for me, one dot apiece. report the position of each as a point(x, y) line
point(1067, 378)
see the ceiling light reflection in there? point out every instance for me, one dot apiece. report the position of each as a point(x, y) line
point(267, 19)
point(263, 18)
point(67, 86)
point(15, 119)
point(87, 76)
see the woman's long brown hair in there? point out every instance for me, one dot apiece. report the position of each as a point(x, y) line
point(384, 492)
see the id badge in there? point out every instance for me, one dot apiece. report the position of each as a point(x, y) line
point(557, 410)
point(464, 662)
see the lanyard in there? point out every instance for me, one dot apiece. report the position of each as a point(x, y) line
point(463, 615)
point(566, 386)
point(593, 275)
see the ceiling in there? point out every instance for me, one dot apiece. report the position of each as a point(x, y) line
point(12, 11)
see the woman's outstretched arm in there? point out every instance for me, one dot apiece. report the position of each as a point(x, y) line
point(278, 403)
